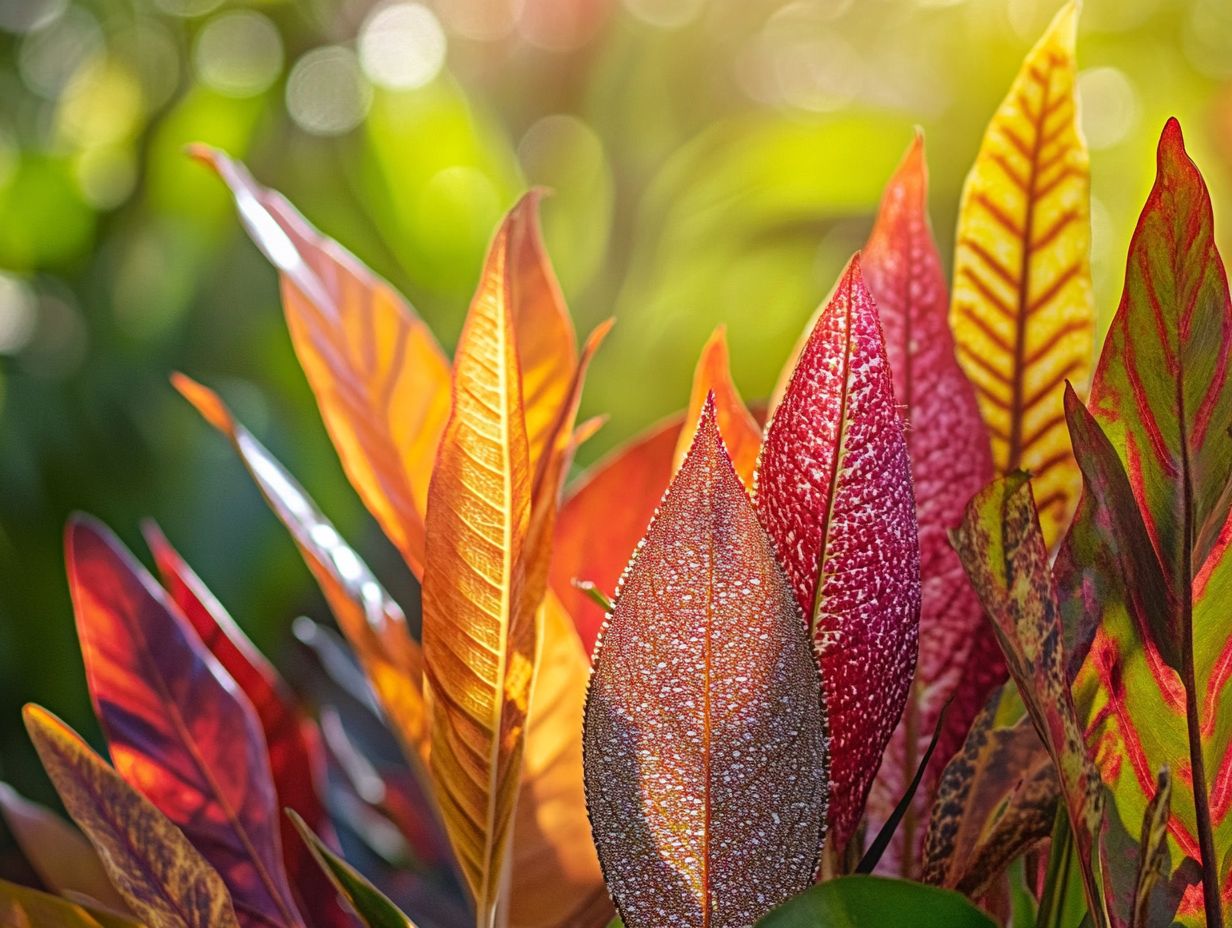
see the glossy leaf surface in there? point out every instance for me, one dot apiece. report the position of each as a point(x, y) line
point(1022, 304)
point(874, 902)
point(834, 492)
point(1002, 547)
point(22, 907)
point(297, 762)
point(704, 733)
point(959, 659)
point(164, 880)
point(479, 636)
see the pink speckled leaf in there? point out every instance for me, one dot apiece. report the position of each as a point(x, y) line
point(950, 462)
point(704, 734)
point(834, 492)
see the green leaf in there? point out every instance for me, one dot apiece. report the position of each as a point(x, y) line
point(873, 902)
point(369, 903)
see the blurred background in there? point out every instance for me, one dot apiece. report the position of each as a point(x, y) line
point(712, 160)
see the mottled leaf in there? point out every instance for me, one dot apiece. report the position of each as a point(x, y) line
point(297, 762)
point(704, 733)
point(61, 856)
point(164, 880)
point(834, 492)
point(1153, 850)
point(177, 727)
point(380, 378)
point(959, 659)
point(1022, 305)
point(479, 635)
point(741, 433)
point(1002, 548)
point(874, 902)
point(22, 907)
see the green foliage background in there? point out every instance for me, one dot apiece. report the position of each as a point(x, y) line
point(713, 161)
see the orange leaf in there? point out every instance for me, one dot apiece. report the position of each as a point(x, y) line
point(160, 875)
point(379, 377)
point(478, 620)
point(741, 433)
point(704, 734)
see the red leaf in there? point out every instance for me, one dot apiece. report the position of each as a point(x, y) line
point(297, 759)
point(704, 733)
point(177, 726)
point(950, 462)
point(834, 492)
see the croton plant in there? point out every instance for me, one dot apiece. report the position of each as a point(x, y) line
point(938, 636)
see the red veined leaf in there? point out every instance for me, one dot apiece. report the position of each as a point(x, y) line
point(950, 461)
point(177, 726)
point(1161, 397)
point(603, 518)
point(834, 492)
point(704, 732)
point(741, 433)
point(164, 880)
point(297, 762)
point(1002, 548)
point(379, 377)
point(372, 622)
point(61, 856)
point(996, 799)
point(22, 907)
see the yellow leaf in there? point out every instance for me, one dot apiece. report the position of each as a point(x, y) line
point(1022, 306)
point(478, 622)
point(741, 433)
point(165, 882)
point(22, 907)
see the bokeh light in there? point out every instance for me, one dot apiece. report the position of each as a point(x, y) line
point(28, 15)
point(51, 55)
point(1109, 104)
point(18, 314)
point(327, 92)
point(238, 53)
point(402, 46)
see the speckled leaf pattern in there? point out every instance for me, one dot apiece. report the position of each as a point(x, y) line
point(1162, 400)
point(296, 756)
point(996, 799)
point(741, 433)
point(373, 623)
point(380, 379)
point(1022, 307)
point(1152, 850)
point(1002, 549)
point(950, 461)
point(704, 733)
point(164, 880)
point(177, 726)
point(479, 634)
point(834, 492)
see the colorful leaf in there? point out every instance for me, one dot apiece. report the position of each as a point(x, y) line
point(379, 377)
point(996, 799)
point(741, 433)
point(1022, 307)
point(704, 732)
point(177, 727)
point(22, 907)
point(61, 856)
point(1001, 545)
point(1162, 399)
point(371, 620)
point(297, 761)
point(479, 636)
point(164, 880)
point(959, 659)
point(1153, 850)
point(871, 902)
point(604, 517)
point(834, 492)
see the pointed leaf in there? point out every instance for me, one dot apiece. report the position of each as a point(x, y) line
point(177, 726)
point(297, 761)
point(22, 907)
point(1022, 307)
point(704, 734)
point(834, 492)
point(371, 620)
point(478, 616)
point(379, 376)
point(1002, 548)
point(741, 433)
point(872, 902)
point(61, 856)
point(164, 880)
point(959, 659)
point(1153, 850)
